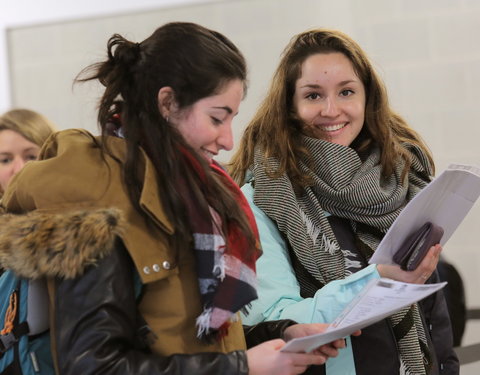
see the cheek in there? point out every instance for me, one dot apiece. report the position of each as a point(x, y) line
point(357, 110)
point(305, 112)
point(191, 139)
point(4, 177)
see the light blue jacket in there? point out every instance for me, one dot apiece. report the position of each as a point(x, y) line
point(279, 291)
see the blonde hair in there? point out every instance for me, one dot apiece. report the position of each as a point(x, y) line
point(29, 124)
point(276, 128)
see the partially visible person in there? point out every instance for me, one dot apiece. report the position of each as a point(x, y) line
point(327, 167)
point(22, 134)
point(189, 235)
point(455, 297)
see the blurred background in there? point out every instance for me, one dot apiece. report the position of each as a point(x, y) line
point(427, 52)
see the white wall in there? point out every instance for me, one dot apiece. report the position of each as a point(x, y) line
point(427, 51)
point(29, 12)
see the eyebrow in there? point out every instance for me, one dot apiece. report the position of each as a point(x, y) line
point(315, 86)
point(11, 153)
point(226, 108)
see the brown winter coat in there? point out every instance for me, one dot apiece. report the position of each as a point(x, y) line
point(72, 176)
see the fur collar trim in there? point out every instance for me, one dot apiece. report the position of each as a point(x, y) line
point(57, 245)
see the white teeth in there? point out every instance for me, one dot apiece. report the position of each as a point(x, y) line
point(209, 154)
point(332, 128)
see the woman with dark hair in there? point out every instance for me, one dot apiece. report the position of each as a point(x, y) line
point(327, 166)
point(172, 240)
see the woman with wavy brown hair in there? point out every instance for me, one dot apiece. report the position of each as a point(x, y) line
point(327, 166)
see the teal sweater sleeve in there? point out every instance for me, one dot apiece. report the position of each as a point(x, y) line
point(278, 289)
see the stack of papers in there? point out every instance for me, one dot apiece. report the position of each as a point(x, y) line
point(379, 299)
point(445, 202)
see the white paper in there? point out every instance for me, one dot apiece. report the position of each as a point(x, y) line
point(379, 299)
point(445, 201)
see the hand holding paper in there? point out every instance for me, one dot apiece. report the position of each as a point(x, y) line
point(444, 202)
point(378, 300)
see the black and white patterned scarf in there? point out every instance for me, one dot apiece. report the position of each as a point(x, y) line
point(346, 186)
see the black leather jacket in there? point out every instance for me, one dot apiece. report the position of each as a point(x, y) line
point(98, 335)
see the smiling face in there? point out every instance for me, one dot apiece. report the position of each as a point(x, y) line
point(15, 151)
point(207, 125)
point(330, 98)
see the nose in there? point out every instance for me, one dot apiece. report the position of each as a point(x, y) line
point(225, 138)
point(18, 164)
point(330, 108)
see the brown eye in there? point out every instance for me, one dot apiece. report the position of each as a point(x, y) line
point(346, 92)
point(313, 96)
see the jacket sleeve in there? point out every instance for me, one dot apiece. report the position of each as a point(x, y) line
point(438, 324)
point(95, 328)
point(264, 331)
point(278, 289)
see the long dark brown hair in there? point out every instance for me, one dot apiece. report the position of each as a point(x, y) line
point(196, 63)
point(276, 127)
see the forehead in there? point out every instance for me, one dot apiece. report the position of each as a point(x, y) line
point(326, 66)
point(230, 95)
point(13, 140)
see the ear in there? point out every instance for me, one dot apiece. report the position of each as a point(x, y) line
point(166, 101)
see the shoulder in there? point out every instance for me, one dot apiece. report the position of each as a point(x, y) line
point(248, 191)
point(72, 170)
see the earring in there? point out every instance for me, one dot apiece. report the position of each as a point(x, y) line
point(167, 118)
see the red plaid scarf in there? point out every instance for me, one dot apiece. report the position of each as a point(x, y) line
point(225, 267)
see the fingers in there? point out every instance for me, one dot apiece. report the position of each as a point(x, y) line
point(339, 344)
point(301, 330)
point(266, 358)
point(418, 276)
point(307, 359)
point(428, 265)
point(328, 350)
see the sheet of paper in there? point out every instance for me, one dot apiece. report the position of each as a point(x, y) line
point(445, 202)
point(378, 300)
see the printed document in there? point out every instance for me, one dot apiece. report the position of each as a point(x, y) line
point(379, 299)
point(445, 202)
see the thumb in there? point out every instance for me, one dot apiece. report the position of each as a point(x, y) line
point(276, 344)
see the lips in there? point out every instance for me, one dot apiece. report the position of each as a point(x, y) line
point(208, 154)
point(332, 128)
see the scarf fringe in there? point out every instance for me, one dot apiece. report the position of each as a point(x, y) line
point(350, 262)
point(204, 331)
point(312, 230)
point(329, 246)
point(220, 268)
point(203, 323)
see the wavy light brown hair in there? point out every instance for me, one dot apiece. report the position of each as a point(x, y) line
point(276, 128)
